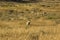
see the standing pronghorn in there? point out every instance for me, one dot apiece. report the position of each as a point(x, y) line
point(28, 23)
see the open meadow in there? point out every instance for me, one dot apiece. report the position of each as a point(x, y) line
point(44, 20)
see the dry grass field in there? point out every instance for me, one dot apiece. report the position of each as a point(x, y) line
point(44, 21)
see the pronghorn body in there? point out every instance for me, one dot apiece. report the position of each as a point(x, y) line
point(28, 23)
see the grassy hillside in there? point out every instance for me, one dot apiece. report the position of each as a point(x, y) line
point(44, 17)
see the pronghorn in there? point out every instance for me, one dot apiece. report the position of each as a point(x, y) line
point(28, 22)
